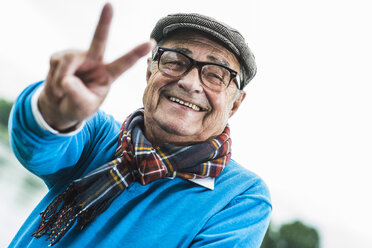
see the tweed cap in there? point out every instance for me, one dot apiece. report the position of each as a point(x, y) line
point(230, 37)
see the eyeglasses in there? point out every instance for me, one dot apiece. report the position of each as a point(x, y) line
point(177, 64)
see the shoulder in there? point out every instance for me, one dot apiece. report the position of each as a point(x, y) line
point(245, 213)
point(243, 182)
point(101, 123)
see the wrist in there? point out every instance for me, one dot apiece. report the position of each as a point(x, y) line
point(48, 118)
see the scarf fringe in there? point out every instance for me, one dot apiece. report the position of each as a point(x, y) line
point(62, 213)
point(58, 217)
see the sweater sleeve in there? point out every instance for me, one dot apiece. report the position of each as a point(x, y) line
point(45, 153)
point(242, 223)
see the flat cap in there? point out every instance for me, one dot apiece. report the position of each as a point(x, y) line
point(230, 37)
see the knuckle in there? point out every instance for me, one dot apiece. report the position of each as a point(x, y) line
point(68, 57)
point(54, 58)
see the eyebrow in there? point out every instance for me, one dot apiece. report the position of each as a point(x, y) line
point(210, 57)
point(182, 50)
point(218, 61)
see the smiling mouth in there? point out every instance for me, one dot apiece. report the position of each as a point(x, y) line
point(187, 104)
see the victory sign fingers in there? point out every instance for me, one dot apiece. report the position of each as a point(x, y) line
point(78, 82)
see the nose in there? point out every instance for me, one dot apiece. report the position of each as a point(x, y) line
point(191, 81)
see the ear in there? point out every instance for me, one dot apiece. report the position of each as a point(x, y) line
point(149, 69)
point(237, 103)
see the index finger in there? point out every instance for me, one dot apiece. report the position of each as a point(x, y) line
point(98, 45)
point(120, 65)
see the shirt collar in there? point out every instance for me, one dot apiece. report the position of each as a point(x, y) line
point(207, 182)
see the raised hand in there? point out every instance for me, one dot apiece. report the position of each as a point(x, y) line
point(78, 81)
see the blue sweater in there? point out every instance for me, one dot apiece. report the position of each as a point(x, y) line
point(165, 213)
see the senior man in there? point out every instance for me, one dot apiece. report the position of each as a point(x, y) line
point(164, 178)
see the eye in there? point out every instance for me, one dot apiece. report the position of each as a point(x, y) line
point(215, 78)
point(215, 74)
point(173, 61)
point(172, 66)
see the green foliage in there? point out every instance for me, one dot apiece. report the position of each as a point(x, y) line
point(32, 183)
point(271, 238)
point(291, 235)
point(5, 108)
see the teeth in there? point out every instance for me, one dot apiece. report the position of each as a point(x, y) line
point(187, 104)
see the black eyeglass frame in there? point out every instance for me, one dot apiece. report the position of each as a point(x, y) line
point(194, 63)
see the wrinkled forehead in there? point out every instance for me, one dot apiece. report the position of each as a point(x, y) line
point(196, 40)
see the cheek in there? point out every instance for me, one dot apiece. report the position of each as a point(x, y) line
point(152, 92)
point(214, 120)
point(221, 108)
point(221, 104)
point(146, 96)
point(150, 98)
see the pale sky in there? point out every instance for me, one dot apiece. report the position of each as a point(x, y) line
point(305, 125)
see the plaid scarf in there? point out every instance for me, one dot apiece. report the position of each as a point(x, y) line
point(135, 160)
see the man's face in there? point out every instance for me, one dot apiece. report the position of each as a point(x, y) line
point(169, 121)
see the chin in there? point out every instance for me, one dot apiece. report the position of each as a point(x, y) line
point(177, 129)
